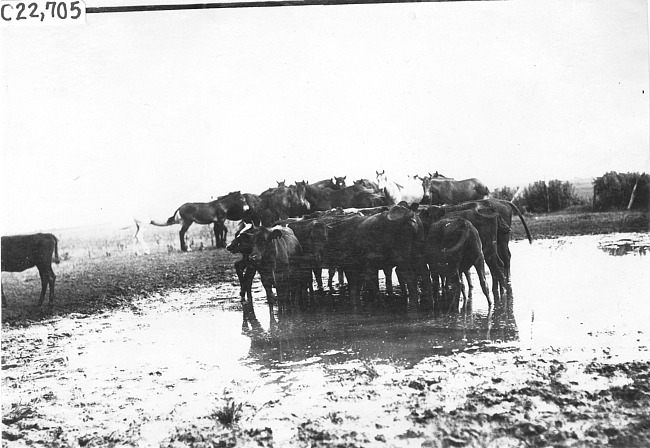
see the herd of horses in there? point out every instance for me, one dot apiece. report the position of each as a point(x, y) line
point(359, 229)
point(426, 227)
point(301, 198)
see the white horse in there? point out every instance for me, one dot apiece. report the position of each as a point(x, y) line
point(408, 189)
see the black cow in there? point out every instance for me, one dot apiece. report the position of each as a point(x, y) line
point(489, 225)
point(22, 252)
point(453, 246)
point(277, 252)
point(392, 238)
point(312, 236)
point(505, 210)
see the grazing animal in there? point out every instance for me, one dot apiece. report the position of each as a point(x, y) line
point(356, 196)
point(278, 253)
point(394, 238)
point(408, 190)
point(505, 210)
point(282, 203)
point(21, 252)
point(452, 247)
point(246, 269)
point(367, 184)
point(335, 183)
point(489, 225)
point(442, 190)
point(312, 236)
point(231, 206)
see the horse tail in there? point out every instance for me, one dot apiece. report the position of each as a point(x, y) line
point(56, 258)
point(523, 221)
point(174, 219)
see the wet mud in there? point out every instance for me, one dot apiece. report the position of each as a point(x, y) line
point(564, 362)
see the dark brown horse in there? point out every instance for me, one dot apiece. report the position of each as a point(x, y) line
point(355, 196)
point(232, 206)
point(282, 203)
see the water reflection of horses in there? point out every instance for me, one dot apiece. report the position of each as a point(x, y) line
point(232, 206)
point(323, 333)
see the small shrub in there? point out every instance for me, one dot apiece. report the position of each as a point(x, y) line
point(228, 414)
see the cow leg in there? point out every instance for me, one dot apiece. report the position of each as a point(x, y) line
point(371, 283)
point(267, 281)
point(182, 233)
point(52, 280)
point(462, 290)
point(354, 285)
point(330, 274)
point(424, 278)
point(496, 270)
point(318, 275)
point(410, 281)
point(240, 268)
point(388, 275)
point(4, 298)
point(480, 270)
point(469, 283)
point(44, 282)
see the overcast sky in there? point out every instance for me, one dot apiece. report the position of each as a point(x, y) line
point(137, 113)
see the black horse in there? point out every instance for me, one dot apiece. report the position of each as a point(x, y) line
point(232, 206)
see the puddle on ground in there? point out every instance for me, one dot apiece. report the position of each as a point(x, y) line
point(183, 352)
point(619, 245)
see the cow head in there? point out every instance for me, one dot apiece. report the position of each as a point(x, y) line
point(318, 234)
point(242, 243)
point(261, 241)
point(339, 182)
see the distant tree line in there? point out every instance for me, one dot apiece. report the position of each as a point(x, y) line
point(541, 196)
point(612, 191)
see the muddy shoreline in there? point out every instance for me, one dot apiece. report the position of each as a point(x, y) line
point(159, 360)
point(484, 392)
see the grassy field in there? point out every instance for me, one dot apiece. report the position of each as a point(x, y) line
point(99, 269)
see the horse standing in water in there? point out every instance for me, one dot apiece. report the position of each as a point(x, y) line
point(231, 206)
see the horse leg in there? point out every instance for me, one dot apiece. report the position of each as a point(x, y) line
point(220, 232)
point(181, 234)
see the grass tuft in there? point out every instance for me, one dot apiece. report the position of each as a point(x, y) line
point(228, 414)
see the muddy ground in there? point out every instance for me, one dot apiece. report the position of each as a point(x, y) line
point(164, 358)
